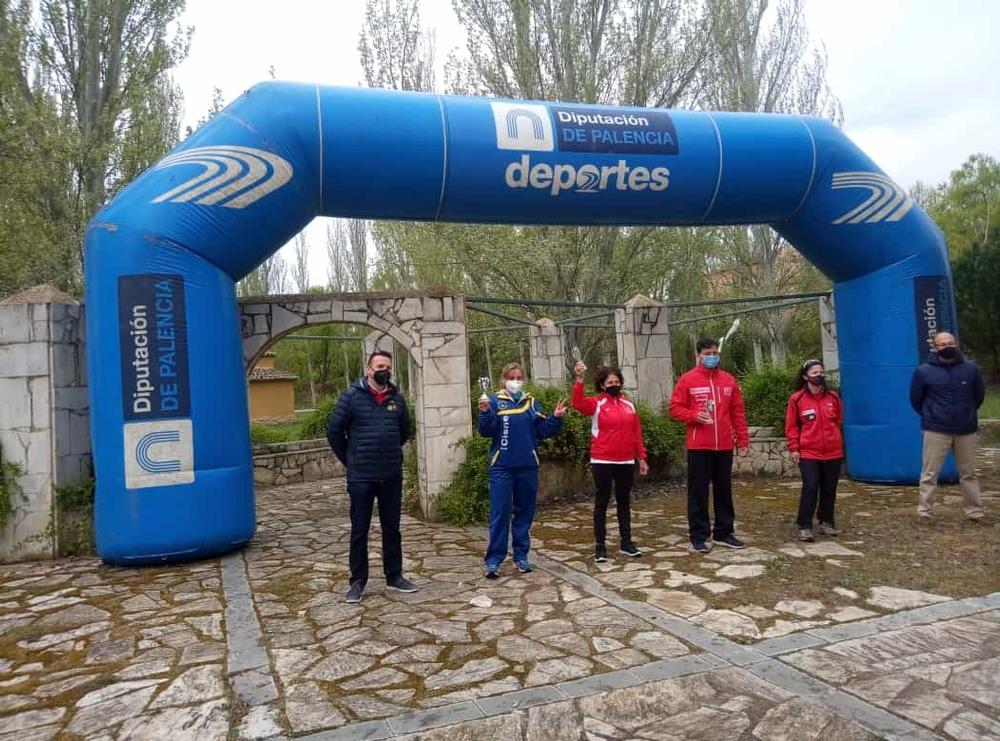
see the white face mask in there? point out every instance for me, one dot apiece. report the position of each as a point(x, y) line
point(513, 387)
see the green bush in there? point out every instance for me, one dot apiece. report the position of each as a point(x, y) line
point(466, 499)
point(314, 424)
point(10, 489)
point(766, 393)
point(266, 434)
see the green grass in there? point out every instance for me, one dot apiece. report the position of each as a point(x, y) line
point(275, 433)
point(991, 407)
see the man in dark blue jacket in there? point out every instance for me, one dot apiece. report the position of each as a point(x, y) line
point(367, 430)
point(946, 392)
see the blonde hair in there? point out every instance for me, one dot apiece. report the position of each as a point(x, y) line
point(509, 367)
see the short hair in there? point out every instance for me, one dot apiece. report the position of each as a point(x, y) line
point(603, 373)
point(379, 353)
point(706, 343)
point(511, 366)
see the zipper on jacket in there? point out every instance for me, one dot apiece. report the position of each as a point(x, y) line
point(715, 409)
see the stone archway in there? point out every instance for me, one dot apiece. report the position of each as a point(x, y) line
point(431, 326)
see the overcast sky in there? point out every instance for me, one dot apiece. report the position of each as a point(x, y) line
point(919, 80)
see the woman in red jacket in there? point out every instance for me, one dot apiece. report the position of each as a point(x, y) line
point(615, 446)
point(812, 426)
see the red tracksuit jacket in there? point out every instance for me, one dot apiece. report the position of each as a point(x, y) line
point(812, 425)
point(691, 394)
point(615, 430)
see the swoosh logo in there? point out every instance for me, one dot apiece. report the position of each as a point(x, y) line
point(886, 202)
point(231, 176)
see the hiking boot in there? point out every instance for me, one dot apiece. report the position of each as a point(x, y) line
point(354, 593)
point(492, 572)
point(524, 566)
point(731, 541)
point(700, 546)
point(828, 530)
point(600, 553)
point(629, 549)
point(806, 535)
point(402, 585)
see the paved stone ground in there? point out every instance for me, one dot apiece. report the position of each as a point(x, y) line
point(260, 645)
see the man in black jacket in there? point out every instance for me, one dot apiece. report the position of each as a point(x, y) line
point(367, 430)
point(946, 392)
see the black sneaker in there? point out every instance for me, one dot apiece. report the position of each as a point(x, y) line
point(492, 572)
point(354, 593)
point(401, 585)
point(629, 549)
point(600, 554)
point(700, 546)
point(731, 541)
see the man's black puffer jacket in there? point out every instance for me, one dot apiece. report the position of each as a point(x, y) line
point(368, 437)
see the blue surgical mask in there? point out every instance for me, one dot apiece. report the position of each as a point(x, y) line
point(710, 361)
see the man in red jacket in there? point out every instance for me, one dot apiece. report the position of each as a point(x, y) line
point(709, 402)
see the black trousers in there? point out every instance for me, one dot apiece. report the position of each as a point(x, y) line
point(363, 496)
point(713, 467)
point(819, 482)
point(621, 475)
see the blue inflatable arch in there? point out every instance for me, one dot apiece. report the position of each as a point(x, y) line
point(168, 398)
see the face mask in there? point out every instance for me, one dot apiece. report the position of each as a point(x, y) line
point(819, 380)
point(948, 353)
point(613, 390)
point(710, 361)
point(513, 387)
point(381, 377)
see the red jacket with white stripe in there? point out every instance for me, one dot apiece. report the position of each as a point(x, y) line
point(615, 430)
point(812, 425)
point(693, 392)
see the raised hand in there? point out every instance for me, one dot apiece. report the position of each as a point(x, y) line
point(579, 369)
point(560, 409)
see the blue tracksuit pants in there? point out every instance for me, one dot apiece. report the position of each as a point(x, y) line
point(513, 493)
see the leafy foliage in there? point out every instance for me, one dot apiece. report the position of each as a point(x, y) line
point(10, 489)
point(976, 271)
point(766, 393)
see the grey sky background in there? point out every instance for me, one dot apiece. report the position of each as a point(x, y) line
point(919, 80)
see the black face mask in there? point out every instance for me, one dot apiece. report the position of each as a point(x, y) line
point(948, 353)
point(818, 380)
point(613, 390)
point(381, 377)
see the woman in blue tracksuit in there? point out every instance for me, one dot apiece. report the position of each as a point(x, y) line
point(515, 422)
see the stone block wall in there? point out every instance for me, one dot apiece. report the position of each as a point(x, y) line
point(769, 456)
point(44, 418)
point(546, 344)
point(275, 464)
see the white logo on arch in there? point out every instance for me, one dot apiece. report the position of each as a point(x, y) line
point(523, 126)
point(887, 202)
point(232, 176)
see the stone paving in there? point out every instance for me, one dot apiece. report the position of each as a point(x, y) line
point(260, 645)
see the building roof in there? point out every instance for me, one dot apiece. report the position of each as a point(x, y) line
point(271, 374)
point(43, 294)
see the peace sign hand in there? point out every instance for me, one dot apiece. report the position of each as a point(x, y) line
point(560, 409)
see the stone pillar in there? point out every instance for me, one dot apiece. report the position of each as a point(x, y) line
point(643, 338)
point(441, 389)
point(547, 347)
point(44, 417)
point(377, 340)
point(828, 334)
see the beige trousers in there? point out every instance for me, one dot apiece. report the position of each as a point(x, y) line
point(936, 447)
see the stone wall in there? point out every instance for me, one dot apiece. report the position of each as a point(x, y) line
point(769, 456)
point(44, 418)
point(291, 463)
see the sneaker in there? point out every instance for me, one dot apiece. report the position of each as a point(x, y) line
point(629, 549)
point(978, 520)
point(731, 541)
point(925, 518)
point(828, 530)
point(492, 572)
point(700, 546)
point(402, 585)
point(806, 535)
point(354, 593)
point(524, 566)
point(600, 554)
